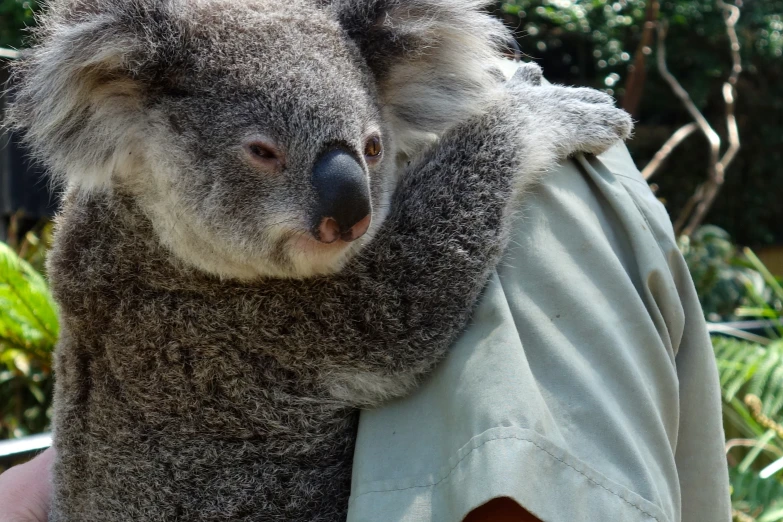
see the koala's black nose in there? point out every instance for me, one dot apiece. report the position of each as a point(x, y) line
point(343, 209)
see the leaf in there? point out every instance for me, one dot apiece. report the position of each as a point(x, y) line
point(755, 451)
point(28, 314)
point(768, 277)
point(752, 494)
point(36, 391)
point(772, 516)
point(746, 311)
point(22, 363)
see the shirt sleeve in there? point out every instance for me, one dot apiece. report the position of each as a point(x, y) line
point(584, 387)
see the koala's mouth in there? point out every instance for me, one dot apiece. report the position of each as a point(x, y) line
point(308, 256)
point(307, 244)
point(330, 230)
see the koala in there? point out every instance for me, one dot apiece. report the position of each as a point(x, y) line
point(277, 213)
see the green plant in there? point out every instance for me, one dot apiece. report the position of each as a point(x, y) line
point(751, 379)
point(753, 494)
point(28, 331)
point(729, 284)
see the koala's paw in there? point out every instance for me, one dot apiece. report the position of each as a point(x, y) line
point(573, 119)
point(593, 122)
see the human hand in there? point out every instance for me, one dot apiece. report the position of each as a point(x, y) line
point(25, 490)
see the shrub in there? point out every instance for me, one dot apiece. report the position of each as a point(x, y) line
point(28, 331)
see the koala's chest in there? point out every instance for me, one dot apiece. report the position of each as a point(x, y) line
point(190, 415)
point(213, 376)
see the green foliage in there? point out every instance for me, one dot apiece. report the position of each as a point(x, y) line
point(593, 42)
point(751, 380)
point(28, 318)
point(29, 328)
point(748, 369)
point(611, 29)
point(763, 498)
point(728, 283)
point(15, 15)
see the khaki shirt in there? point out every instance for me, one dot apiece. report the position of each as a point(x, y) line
point(585, 387)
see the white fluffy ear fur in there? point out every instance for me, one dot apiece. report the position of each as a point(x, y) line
point(75, 96)
point(434, 60)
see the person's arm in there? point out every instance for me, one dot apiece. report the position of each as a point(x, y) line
point(25, 490)
point(500, 510)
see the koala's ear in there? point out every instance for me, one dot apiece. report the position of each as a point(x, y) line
point(76, 94)
point(434, 60)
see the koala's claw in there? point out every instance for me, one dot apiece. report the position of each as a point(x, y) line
point(528, 73)
point(597, 126)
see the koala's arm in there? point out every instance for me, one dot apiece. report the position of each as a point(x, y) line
point(417, 282)
point(394, 311)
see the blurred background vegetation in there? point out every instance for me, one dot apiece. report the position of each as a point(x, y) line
point(15, 15)
point(28, 332)
point(593, 42)
point(612, 45)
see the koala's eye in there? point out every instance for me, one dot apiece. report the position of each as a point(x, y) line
point(264, 154)
point(373, 149)
point(260, 151)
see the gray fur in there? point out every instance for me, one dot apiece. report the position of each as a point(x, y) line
point(209, 369)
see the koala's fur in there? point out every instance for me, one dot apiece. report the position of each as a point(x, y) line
point(213, 357)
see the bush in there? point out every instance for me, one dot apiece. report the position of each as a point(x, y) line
point(728, 283)
point(28, 331)
point(751, 374)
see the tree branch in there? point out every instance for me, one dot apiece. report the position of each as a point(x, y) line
point(638, 71)
point(701, 201)
point(667, 148)
point(684, 97)
point(717, 172)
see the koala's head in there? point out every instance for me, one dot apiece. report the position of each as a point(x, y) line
point(262, 138)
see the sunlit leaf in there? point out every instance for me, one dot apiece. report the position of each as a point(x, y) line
point(28, 314)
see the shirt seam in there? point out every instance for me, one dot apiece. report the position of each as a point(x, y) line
point(643, 213)
point(522, 439)
point(630, 178)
